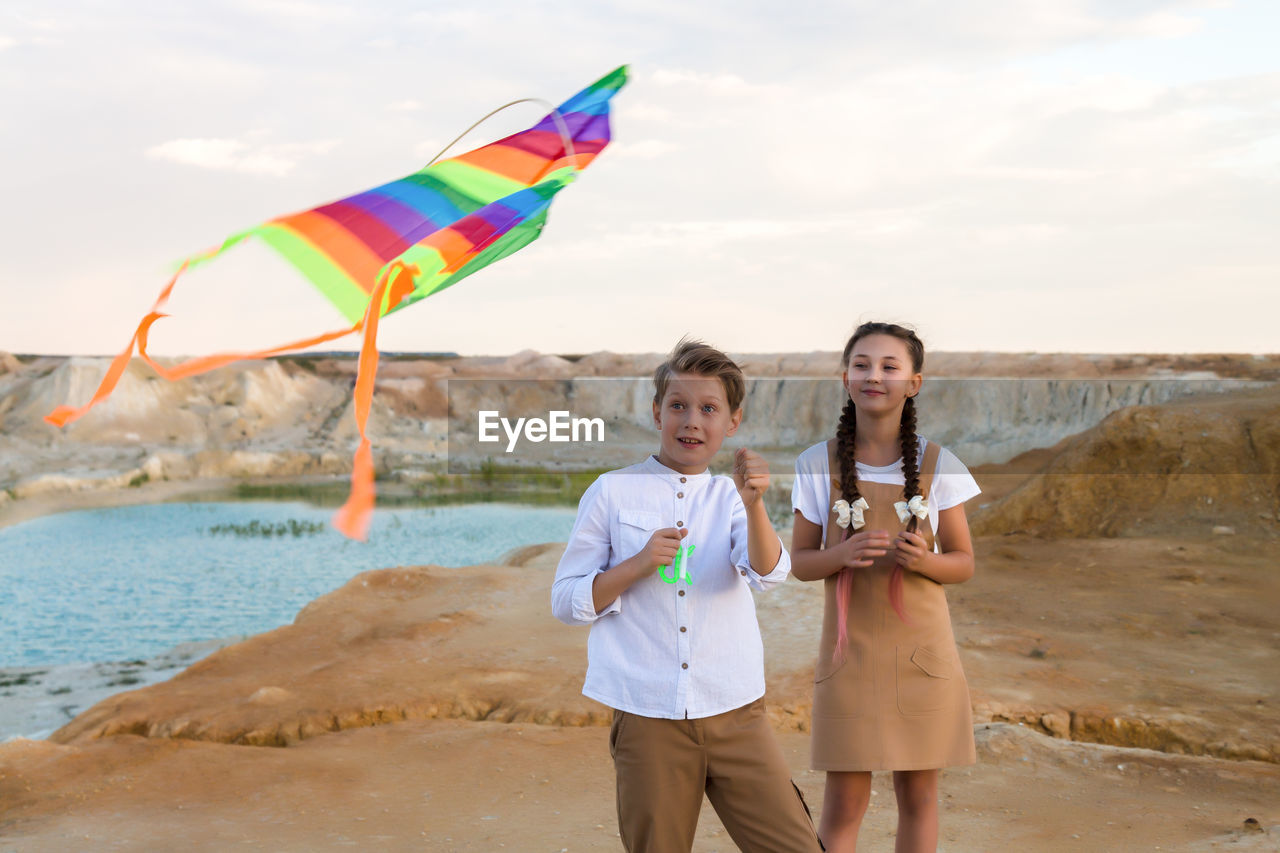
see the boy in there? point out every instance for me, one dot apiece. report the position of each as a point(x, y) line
point(660, 564)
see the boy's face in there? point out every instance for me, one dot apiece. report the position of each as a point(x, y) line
point(693, 419)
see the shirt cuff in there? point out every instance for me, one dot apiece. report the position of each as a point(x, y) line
point(584, 605)
point(778, 574)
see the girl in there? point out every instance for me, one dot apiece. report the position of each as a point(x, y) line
point(879, 515)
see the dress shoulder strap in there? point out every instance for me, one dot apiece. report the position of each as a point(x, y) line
point(929, 466)
point(833, 466)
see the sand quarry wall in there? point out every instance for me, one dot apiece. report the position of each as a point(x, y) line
point(304, 404)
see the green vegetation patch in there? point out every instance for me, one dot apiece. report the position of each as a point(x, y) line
point(22, 679)
point(293, 527)
point(490, 483)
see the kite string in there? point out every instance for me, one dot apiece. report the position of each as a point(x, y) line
point(555, 116)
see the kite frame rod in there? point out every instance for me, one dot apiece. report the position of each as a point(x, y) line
point(554, 113)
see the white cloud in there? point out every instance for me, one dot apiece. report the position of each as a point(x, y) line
point(302, 10)
point(711, 235)
point(38, 32)
point(46, 24)
point(643, 149)
point(408, 105)
point(237, 155)
point(428, 147)
point(712, 84)
point(455, 19)
point(1164, 25)
point(630, 111)
point(1020, 234)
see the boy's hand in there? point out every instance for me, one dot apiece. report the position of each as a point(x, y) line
point(750, 475)
point(661, 548)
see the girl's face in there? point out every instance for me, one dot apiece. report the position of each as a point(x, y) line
point(879, 376)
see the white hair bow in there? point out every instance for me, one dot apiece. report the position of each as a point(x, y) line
point(847, 513)
point(917, 506)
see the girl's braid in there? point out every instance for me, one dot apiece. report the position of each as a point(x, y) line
point(845, 433)
point(910, 451)
point(910, 488)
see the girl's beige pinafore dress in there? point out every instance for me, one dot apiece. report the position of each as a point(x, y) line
point(896, 699)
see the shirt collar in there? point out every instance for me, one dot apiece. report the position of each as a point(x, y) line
point(653, 466)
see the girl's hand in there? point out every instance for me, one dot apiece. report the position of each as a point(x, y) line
point(861, 549)
point(910, 548)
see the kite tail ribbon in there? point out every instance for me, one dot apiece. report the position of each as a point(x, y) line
point(352, 520)
point(63, 415)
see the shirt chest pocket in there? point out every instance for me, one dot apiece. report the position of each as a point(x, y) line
point(635, 527)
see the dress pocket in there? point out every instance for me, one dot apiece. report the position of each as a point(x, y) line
point(924, 680)
point(840, 688)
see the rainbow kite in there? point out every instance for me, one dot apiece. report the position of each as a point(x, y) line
point(383, 249)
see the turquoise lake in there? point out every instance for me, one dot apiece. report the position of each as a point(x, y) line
point(131, 582)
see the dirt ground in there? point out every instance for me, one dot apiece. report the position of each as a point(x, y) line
point(439, 708)
point(454, 785)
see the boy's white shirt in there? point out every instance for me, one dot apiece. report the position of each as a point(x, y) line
point(636, 651)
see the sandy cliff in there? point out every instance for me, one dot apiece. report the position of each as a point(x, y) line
point(1187, 467)
point(292, 417)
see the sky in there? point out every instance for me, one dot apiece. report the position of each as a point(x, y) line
point(1011, 175)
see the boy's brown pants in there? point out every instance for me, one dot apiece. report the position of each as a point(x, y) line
point(664, 766)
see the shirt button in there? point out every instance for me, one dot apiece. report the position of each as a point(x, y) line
point(684, 666)
point(682, 592)
point(683, 479)
point(679, 494)
point(679, 524)
point(744, 572)
point(683, 629)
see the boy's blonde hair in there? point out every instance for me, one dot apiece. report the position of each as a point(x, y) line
point(691, 356)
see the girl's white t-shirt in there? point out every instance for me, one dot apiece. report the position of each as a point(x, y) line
point(811, 490)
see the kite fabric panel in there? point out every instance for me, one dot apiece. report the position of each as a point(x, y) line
point(385, 248)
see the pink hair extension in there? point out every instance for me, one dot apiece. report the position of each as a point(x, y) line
point(895, 594)
point(844, 588)
point(895, 582)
